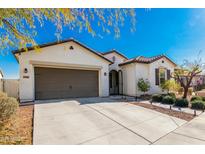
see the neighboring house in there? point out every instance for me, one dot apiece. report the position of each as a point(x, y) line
point(198, 80)
point(1, 75)
point(70, 69)
point(1, 81)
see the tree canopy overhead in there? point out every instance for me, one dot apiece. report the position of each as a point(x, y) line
point(18, 26)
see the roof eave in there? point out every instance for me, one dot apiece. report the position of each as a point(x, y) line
point(114, 51)
point(135, 61)
point(57, 43)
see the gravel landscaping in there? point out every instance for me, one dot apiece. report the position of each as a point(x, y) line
point(181, 115)
point(20, 128)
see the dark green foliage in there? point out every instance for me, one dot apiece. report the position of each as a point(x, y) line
point(196, 98)
point(182, 102)
point(172, 95)
point(145, 97)
point(168, 100)
point(163, 95)
point(198, 104)
point(143, 85)
point(157, 98)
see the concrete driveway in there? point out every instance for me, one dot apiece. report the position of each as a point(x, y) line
point(99, 121)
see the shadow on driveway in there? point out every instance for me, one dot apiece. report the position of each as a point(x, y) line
point(88, 100)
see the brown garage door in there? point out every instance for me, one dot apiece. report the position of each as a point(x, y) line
point(54, 83)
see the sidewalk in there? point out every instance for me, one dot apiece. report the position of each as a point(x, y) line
point(192, 132)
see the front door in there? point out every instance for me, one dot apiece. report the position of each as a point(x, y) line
point(114, 82)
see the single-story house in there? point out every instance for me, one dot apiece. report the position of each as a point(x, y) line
point(68, 69)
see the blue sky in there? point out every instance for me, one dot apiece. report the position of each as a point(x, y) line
point(177, 33)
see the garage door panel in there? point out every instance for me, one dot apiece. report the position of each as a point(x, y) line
point(53, 83)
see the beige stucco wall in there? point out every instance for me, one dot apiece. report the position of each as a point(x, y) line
point(11, 87)
point(133, 72)
point(118, 59)
point(129, 79)
point(142, 71)
point(157, 64)
point(60, 56)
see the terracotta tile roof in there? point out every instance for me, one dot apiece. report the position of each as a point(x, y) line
point(145, 60)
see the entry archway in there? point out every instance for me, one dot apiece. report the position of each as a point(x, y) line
point(115, 82)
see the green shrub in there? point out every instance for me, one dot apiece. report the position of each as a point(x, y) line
point(181, 90)
point(172, 95)
point(168, 100)
point(182, 102)
point(163, 95)
point(8, 107)
point(157, 98)
point(203, 98)
point(190, 91)
point(170, 85)
point(143, 85)
point(196, 98)
point(145, 97)
point(198, 104)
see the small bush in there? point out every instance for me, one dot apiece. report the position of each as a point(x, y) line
point(145, 97)
point(198, 104)
point(168, 100)
point(8, 107)
point(157, 98)
point(190, 91)
point(163, 95)
point(196, 98)
point(203, 98)
point(170, 85)
point(182, 102)
point(3, 94)
point(143, 85)
point(172, 95)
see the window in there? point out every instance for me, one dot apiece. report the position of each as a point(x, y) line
point(162, 75)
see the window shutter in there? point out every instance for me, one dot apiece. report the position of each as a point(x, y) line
point(157, 76)
point(168, 74)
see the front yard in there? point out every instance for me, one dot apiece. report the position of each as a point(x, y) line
point(20, 128)
point(173, 105)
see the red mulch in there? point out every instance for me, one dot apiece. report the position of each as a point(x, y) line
point(180, 115)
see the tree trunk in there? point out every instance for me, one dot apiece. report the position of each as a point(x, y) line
point(185, 92)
